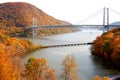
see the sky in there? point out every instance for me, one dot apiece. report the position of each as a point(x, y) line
point(75, 11)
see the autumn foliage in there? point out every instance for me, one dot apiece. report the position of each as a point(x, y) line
point(101, 78)
point(38, 69)
point(17, 17)
point(11, 51)
point(20, 14)
point(108, 46)
point(12, 67)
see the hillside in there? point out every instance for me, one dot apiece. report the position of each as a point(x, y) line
point(21, 14)
point(107, 46)
point(14, 16)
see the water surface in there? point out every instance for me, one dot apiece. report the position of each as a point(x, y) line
point(89, 66)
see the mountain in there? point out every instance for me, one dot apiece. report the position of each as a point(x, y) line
point(21, 14)
point(112, 25)
point(116, 23)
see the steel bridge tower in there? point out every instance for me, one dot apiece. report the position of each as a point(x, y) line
point(34, 24)
point(106, 19)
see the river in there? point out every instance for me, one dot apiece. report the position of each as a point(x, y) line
point(89, 66)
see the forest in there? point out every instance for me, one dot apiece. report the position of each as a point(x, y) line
point(17, 17)
point(107, 46)
point(21, 14)
point(14, 17)
point(12, 50)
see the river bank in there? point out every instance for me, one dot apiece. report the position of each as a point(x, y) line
point(107, 46)
point(11, 52)
point(89, 65)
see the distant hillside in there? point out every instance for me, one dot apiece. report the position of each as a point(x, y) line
point(115, 23)
point(20, 14)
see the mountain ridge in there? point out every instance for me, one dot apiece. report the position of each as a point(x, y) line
point(20, 14)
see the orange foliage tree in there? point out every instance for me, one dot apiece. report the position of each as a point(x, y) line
point(108, 46)
point(11, 50)
point(10, 64)
point(38, 69)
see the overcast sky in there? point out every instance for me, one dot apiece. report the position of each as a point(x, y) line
point(73, 11)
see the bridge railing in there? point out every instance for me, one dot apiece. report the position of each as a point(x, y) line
point(74, 26)
point(114, 76)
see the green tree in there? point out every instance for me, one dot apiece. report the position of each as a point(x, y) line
point(70, 68)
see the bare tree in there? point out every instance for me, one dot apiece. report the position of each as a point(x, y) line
point(70, 68)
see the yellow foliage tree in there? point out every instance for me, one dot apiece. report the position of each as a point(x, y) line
point(100, 78)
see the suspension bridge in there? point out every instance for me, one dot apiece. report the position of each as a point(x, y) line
point(65, 45)
point(105, 26)
point(114, 76)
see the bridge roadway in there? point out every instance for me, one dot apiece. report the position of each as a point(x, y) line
point(65, 45)
point(73, 26)
point(69, 26)
point(115, 76)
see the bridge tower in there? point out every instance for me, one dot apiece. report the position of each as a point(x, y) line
point(34, 24)
point(106, 19)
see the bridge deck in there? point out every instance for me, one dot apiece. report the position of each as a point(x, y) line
point(65, 45)
point(115, 76)
point(73, 26)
